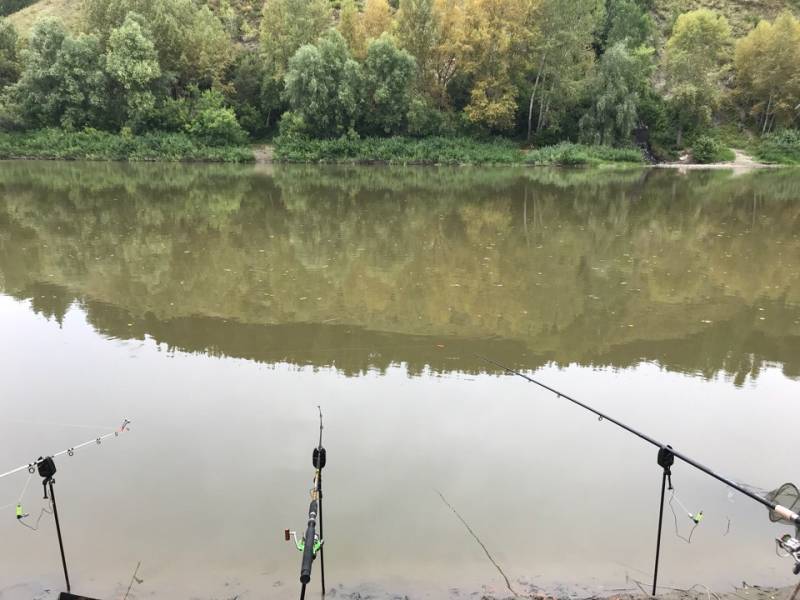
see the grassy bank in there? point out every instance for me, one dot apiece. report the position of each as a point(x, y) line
point(55, 144)
point(440, 150)
point(782, 148)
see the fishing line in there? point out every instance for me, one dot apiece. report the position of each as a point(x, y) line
point(44, 511)
point(675, 517)
point(18, 503)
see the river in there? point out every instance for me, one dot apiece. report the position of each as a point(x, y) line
point(217, 306)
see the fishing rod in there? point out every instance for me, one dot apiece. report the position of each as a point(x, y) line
point(46, 467)
point(312, 542)
point(31, 467)
point(666, 458)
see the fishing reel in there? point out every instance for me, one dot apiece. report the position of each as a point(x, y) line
point(300, 543)
point(789, 546)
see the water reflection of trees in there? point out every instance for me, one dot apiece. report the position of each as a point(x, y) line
point(365, 267)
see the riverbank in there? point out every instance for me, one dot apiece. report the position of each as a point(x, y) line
point(632, 590)
point(446, 151)
point(93, 145)
point(55, 144)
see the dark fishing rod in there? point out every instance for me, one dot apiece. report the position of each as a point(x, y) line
point(318, 460)
point(312, 541)
point(666, 457)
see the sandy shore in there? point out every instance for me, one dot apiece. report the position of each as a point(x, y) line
point(632, 590)
point(741, 163)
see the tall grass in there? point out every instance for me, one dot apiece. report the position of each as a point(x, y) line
point(782, 147)
point(441, 150)
point(99, 145)
point(397, 150)
point(569, 154)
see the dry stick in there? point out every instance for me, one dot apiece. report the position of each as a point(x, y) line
point(133, 578)
point(796, 590)
point(477, 539)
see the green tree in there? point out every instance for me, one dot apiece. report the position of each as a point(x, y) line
point(286, 25)
point(616, 91)
point(388, 75)
point(192, 43)
point(249, 76)
point(696, 60)
point(323, 87)
point(9, 61)
point(767, 65)
point(562, 58)
point(626, 21)
point(417, 28)
point(352, 29)
point(64, 81)
point(132, 64)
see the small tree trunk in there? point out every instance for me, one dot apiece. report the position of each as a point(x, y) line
point(546, 110)
point(541, 111)
point(766, 115)
point(533, 95)
point(679, 137)
point(530, 107)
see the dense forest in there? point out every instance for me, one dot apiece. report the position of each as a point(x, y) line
point(537, 71)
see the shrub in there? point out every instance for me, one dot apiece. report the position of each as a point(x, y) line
point(426, 120)
point(780, 147)
point(217, 127)
point(706, 150)
point(213, 123)
point(292, 126)
point(569, 154)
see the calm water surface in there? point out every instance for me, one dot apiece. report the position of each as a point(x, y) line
point(216, 307)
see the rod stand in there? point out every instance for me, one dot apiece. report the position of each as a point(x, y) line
point(665, 460)
point(47, 468)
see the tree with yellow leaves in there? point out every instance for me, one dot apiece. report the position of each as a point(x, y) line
point(497, 37)
point(450, 47)
point(352, 29)
point(767, 63)
point(376, 18)
point(417, 30)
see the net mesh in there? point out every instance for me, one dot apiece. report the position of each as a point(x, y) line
point(786, 495)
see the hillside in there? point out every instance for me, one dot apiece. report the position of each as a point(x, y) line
point(66, 10)
point(242, 12)
point(742, 14)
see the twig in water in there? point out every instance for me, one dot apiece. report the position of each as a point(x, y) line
point(796, 590)
point(477, 539)
point(133, 578)
point(639, 585)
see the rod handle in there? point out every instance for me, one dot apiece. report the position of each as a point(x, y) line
point(308, 550)
point(787, 514)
